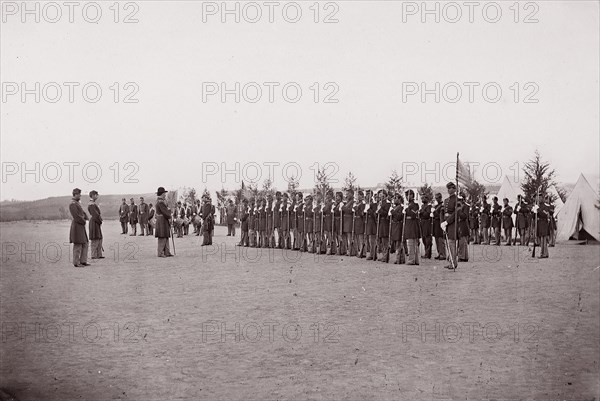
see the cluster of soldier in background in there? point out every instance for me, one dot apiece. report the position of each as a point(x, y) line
point(376, 225)
point(373, 226)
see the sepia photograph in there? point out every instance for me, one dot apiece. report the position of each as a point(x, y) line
point(300, 200)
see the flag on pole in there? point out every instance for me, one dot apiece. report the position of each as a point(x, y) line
point(463, 175)
point(246, 193)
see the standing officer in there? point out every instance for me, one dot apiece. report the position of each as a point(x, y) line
point(231, 218)
point(463, 228)
point(449, 225)
point(143, 210)
point(309, 226)
point(338, 222)
point(95, 226)
point(318, 224)
point(300, 223)
point(426, 226)
point(438, 233)
point(124, 216)
point(252, 223)
point(133, 217)
point(277, 220)
point(507, 223)
point(371, 225)
point(78, 237)
point(244, 224)
point(163, 224)
point(208, 218)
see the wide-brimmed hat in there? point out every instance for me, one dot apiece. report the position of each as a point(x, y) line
point(160, 191)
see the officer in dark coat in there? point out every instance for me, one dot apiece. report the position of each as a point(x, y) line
point(244, 240)
point(95, 227)
point(426, 226)
point(78, 236)
point(231, 218)
point(208, 219)
point(411, 228)
point(133, 217)
point(143, 213)
point(163, 224)
point(438, 233)
point(124, 216)
point(507, 222)
point(449, 225)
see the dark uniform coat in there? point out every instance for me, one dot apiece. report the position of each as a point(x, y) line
point(384, 221)
point(244, 219)
point(95, 221)
point(438, 217)
point(463, 219)
point(300, 225)
point(327, 215)
point(522, 211)
point(484, 217)
point(277, 215)
point(507, 222)
point(425, 218)
point(397, 221)
point(231, 214)
point(318, 213)
point(348, 216)
point(359, 217)
point(496, 215)
point(337, 216)
point(143, 213)
point(371, 219)
point(78, 235)
point(411, 230)
point(163, 214)
point(285, 216)
point(124, 213)
point(543, 220)
point(474, 218)
point(309, 216)
point(133, 214)
point(449, 216)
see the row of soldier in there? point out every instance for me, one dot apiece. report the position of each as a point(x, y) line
point(377, 224)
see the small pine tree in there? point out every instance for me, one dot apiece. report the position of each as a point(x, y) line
point(394, 183)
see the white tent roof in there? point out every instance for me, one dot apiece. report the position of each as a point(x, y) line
point(507, 190)
point(579, 212)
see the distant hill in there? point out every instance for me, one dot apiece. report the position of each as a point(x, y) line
point(57, 208)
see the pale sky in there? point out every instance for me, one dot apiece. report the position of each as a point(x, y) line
point(370, 55)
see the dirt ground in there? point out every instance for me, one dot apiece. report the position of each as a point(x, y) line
point(232, 323)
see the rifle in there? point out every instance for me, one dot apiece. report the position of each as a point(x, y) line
point(537, 203)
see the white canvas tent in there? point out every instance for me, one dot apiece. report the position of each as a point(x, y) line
point(507, 190)
point(579, 214)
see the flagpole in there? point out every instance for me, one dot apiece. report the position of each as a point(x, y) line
point(456, 214)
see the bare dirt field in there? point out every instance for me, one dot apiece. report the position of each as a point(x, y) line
point(228, 323)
